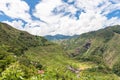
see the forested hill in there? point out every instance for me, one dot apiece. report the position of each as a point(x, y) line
point(22, 51)
point(102, 46)
point(19, 41)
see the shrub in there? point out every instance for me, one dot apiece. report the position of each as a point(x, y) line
point(116, 68)
point(13, 72)
point(6, 58)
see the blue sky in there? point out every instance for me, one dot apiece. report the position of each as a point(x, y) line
point(67, 17)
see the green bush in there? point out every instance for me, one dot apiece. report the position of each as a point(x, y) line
point(116, 68)
point(6, 58)
point(13, 72)
point(116, 29)
point(101, 68)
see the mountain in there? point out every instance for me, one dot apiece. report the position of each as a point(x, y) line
point(26, 53)
point(27, 57)
point(102, 47)
point(58, 37)
point(18, 39)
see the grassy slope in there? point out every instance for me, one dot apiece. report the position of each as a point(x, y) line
point(28, 48)
point(55, 63)
point(50, 55)
point(104, 48)
point(104, 43)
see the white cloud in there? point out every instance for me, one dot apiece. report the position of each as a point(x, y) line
point(16, 24)
point(44, 8)
point(113, 21)
point(111, 8)
point(115, 1)
point(15, 9)
point(92, 18)
point(37, 28)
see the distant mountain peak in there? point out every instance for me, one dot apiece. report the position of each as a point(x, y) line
point(59, 37)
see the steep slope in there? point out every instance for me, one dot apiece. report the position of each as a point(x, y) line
point(14, 43)
point(24, 55)
point(18, 41)
point(102, 46)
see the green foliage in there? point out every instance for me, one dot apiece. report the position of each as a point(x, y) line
point(94, 58)
point(19, 41)
point(13, 72)
point(5, 59)
point(116, 29)
point(88, 75)
point(29, 71)
point(106, 34)
point(116, 68)
point(101, 68)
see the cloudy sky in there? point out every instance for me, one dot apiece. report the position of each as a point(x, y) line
point(68, 17)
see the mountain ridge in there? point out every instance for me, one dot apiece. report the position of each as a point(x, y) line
point(102, 46)
point(59, 37)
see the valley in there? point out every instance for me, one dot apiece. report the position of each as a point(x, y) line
point(91, 56)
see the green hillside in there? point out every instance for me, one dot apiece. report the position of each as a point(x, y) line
point(27, 57)
point(18, 41)
point(102, 47)
point(21, 51)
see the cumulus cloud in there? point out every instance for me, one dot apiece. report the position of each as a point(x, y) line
point(61, 17)
point(111, 8)
point(16, 24)
point(92, 18)
point(113, 21)
point(115, 1)
point(15, 9)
